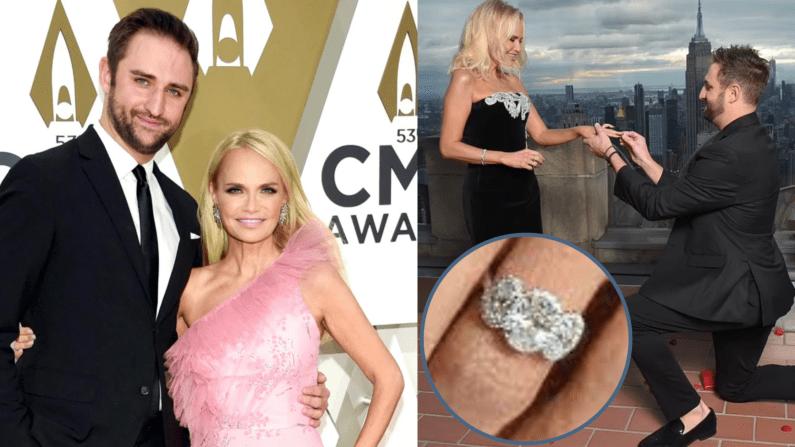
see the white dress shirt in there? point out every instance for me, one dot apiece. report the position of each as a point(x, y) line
point(167, 235)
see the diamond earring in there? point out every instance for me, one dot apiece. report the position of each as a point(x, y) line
point(217, 216)
point(531, 319)
point(283, 214)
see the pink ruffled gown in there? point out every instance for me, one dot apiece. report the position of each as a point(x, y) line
point(236, 373)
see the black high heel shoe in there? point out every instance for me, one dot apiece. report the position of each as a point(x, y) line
point(671, 434)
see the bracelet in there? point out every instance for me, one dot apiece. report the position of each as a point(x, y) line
point(615, 151)
point(483, 157)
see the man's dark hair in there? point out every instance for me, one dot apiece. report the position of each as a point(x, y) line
point(155, 21)
point(742, 65)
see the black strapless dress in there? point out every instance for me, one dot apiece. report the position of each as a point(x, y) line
point(498, 199)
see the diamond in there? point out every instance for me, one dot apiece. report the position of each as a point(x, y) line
point(546, 308)
point(552, 347)
point(523, 340)
point(531, 319)
point(568, 328)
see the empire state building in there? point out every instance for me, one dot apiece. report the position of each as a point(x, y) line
point(697, 68)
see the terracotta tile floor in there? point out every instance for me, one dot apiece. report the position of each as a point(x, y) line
point(633, 413)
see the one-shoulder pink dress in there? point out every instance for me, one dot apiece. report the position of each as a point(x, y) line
point(236, 373)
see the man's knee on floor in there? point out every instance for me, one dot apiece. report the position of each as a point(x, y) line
point(731, 392)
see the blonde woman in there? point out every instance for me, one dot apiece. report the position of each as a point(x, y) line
point(487, 116)
point(251, 320)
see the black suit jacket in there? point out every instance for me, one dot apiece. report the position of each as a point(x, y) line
point(724, 202)
point(71, 268)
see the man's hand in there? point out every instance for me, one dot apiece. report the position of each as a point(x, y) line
point(24, 341)
point(637, 147)
point(599, 143)
point(315, 399)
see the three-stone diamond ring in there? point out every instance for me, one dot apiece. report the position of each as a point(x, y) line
point(531, 319)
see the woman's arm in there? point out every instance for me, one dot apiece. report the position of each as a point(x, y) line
point(552, 137)
point(457, 105)
point(326, 292)
point(549, 137)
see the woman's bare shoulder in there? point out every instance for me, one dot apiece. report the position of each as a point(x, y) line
point(463, 77)
point(516, 83)
point(199, 281)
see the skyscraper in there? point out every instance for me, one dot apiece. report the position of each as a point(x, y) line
point(658, 132)
point(672, 125)
point(640, 110)
point(569, 94)
point(621, 120)
point(575, 117)
point(697, 68)
point(771, 82)
point(610, 115)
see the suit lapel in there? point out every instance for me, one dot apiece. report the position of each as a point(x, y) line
point(99, 170)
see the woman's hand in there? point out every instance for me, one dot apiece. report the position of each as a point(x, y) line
point(588, 132)
point(507, 393)
point(524, 159)
point(585, 131)
point(24, 341)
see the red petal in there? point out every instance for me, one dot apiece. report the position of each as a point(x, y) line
point(786, 429)
point(697, 386)
point(779, 331)
point(672, 342)
point(708, 379)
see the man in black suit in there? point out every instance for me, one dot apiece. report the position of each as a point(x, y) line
point(97, 245)
point(721, 270)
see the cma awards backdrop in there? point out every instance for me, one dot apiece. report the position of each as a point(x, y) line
point(335, 80)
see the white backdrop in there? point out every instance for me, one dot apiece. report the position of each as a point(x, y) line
point(365, 154)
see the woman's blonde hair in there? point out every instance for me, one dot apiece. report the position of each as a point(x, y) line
point(215, 238)
point(487, 29)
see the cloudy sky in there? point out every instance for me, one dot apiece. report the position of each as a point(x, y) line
point(612, 43)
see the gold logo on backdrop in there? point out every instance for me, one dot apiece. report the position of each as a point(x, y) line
point(398, 83)
point(234, 39)
point(62, 88)
point(274, 51)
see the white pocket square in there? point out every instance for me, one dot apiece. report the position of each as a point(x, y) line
point(194, 236)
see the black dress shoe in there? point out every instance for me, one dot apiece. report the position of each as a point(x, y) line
point(670, 434)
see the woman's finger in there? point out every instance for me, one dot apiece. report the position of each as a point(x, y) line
point(586, 382)
point(482, 378)
point(450, 295)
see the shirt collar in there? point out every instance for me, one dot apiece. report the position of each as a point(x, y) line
point(123, 163)
point(743, 121)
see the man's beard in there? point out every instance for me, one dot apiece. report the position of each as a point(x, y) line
point(122, 122)
point(711, 113)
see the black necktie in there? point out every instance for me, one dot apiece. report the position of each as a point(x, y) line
point(148, 232)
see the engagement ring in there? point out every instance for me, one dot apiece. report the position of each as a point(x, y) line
point(531, 319)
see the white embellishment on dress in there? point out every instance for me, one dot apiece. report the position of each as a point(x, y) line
point(514, 103)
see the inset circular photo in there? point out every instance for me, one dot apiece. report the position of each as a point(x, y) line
point(525, 339)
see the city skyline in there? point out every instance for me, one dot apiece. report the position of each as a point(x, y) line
point(633, 44)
